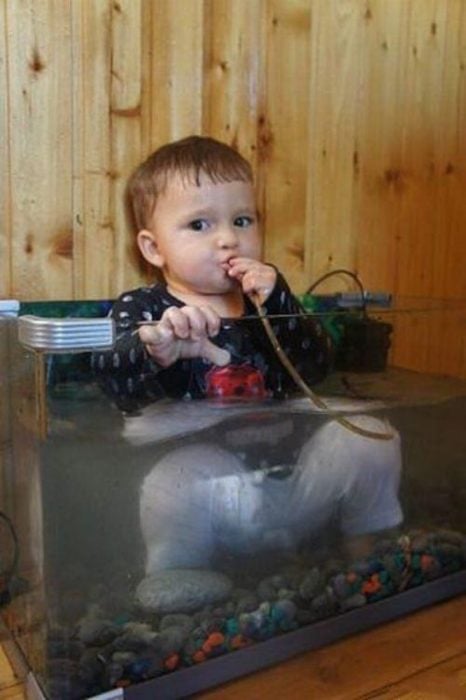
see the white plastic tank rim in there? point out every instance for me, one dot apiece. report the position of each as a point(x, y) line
point(9, 308)
point(66, 335)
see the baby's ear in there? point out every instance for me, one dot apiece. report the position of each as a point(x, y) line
point(147, 244)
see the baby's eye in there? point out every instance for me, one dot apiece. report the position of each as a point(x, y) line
point(198, 224)
point(243, 221)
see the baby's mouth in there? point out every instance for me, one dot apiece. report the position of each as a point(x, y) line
point(225, 265)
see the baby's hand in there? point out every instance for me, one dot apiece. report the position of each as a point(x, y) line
point(256, 278)
point(184, 333)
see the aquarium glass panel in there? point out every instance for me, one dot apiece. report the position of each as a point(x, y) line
point(146, 537)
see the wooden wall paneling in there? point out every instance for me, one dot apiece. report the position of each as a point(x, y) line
point(138, 270)
point(126, 130)
point(5, 194)
point(232, 70)
point(283, 137)
point(40, 148)
point(379, 187)
point(336, 45)
point(103, 159)
point(423, 115)
point(454, 282)
point(176, 70)
point(448, 36)
point(352, 112)
point(94, 252)
point(429, 150)
point(380, 182)
point(78, 215)
point(424, 120)
point(449, 349)
point(146, 77)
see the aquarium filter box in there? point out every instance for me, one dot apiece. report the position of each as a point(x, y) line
point(163, 551)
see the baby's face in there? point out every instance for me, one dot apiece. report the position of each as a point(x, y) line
point(197, 230)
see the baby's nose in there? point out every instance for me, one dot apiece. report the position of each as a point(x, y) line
point(227, 237)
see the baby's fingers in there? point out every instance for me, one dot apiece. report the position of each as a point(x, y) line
point(202, 322)
point(218, 356)
point(178, 321)
point(154, 334)
point(212, 321)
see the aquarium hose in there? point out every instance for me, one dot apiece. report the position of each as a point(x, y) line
point(295, 375)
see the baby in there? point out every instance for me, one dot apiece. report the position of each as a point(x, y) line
point(193, 205)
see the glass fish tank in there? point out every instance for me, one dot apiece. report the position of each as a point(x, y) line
point(163, 550)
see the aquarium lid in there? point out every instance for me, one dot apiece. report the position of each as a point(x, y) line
point(66, 335)
point(9, 308)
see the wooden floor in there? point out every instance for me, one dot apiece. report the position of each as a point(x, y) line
point(421, 657)
point(10, 686)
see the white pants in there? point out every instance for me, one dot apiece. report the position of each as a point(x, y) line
point(202, 496)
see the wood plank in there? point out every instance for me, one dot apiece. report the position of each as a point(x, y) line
point(94, 250)
point(337, 41)
point(448, 351)
point(232, 72)
point(419, 225)
point(107, 78)
point(378, 184)
point(423, 119)
point(127, 132)
point(282, 137)
point(428, 233)
point(361, 665)
point(38, 36)
point(5, 193)
point(441, 681)
point(14, 693)
point(77, 165)
point(176, 70)
point(9, 681)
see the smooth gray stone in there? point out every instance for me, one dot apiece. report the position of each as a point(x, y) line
point(182, 590)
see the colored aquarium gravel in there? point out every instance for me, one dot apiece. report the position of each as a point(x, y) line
point(101, 653)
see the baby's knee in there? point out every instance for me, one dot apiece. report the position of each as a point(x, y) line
point(187, 466)
point(193, 493)
point(336, 461)
point(180, 485)
point(379, 449)
point(358, 438)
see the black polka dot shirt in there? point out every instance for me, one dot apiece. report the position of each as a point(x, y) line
point(133, 379)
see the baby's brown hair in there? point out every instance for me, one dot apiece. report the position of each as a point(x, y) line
point(188, 157)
